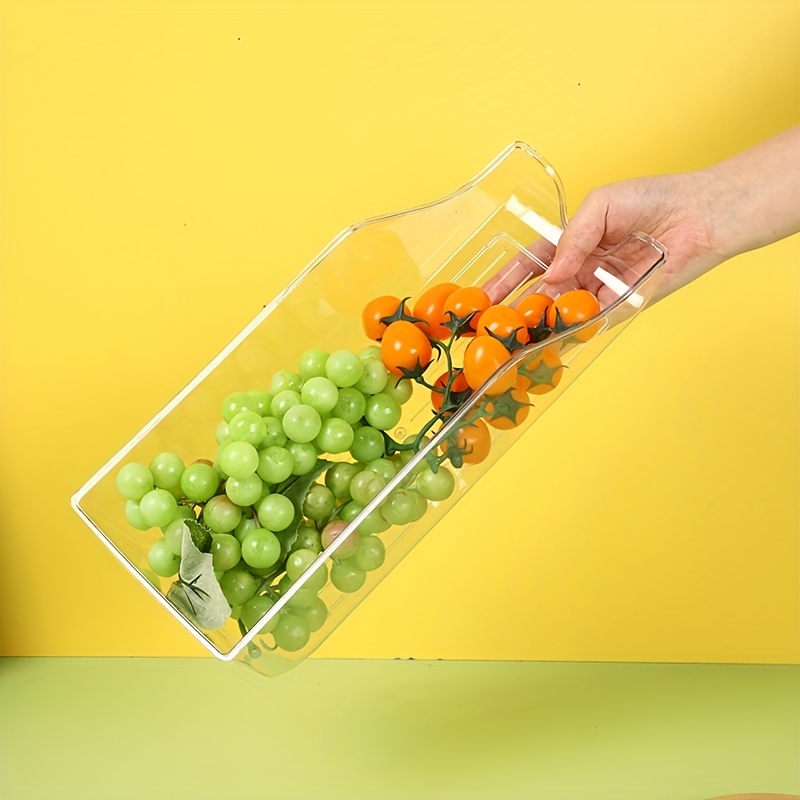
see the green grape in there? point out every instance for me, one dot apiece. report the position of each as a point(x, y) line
point(383, 411)
point(275, 435)
point(372, 523)
point(254, 609)
point(302, 423)
point(285, 380)
point(315, 615)
point(365, 486)
point(236, 402)
point(304, 455)
point(368, 444)
point(350, 406)
point(261, 549)
point(371, 553)
point(320, 393)
point(275, 464)
point(404, 456)
point(349, 511)
point(403, 506)
point(225, 551)
point(222, 434)
point(220, 447)
point(373, 352)
point(347, 577)
point(238, 586)
point(134, 481)
point(173, 535)
point(307, 539)
point(338, 478)
point(238, 460)
point(245, 526)
point(275, 512)
point(399, 389)
point(134, 516)
point(332, 531)
point(182, 513)
point(319, 502)
point(335, 436)
point(283, 401)
point(158, 507)
point(299, 561)
point(374, 378)
point(261, 401)
point(162, 560)
point(437, 485)
point(247, 426)
point(344, 368)
point(167, 469)
point(221, 515)
point(302, 598)
point(312, 364)
point(260, 572)
point(291, 633)
point(244, 492)
point(383, 467)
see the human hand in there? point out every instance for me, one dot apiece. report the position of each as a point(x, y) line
point(595, 248)
point(702, 218)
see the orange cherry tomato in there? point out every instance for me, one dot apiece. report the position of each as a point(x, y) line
point(542, 372)
point(483, 356)
point(533, 307)
point(430, 310)
point(405, 348)
point(574, 307)
point(465, 301)
point(508, 410)
point(459, 385)
point(473, 442)
point(504, 322)
point(375, 311)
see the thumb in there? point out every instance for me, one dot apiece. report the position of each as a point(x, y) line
point(579, 240)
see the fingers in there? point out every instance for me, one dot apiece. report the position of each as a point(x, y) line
point(581, 236)
point(518, 270)
point(508, 277)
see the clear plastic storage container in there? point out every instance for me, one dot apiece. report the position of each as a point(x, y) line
point(498, 232)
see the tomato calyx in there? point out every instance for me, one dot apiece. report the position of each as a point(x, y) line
point(400, 314)
point(415, 373)
point(542, 330)
point(510, 342)
point(452, 398)
point(504, 406)
point(458, 326)
point(541, 373)
point(455, 400)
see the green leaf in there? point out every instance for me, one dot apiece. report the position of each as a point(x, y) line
point(196, 593)
point(201, 535)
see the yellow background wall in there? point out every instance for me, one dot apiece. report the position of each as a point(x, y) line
point(154, 160)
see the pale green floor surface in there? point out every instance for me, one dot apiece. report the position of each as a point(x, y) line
point(194, 728)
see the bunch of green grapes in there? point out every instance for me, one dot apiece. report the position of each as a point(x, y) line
point(266, 521)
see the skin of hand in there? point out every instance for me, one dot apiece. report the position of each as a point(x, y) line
point(702, 218)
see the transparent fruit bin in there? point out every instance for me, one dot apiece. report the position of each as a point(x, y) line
point(301, 529)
